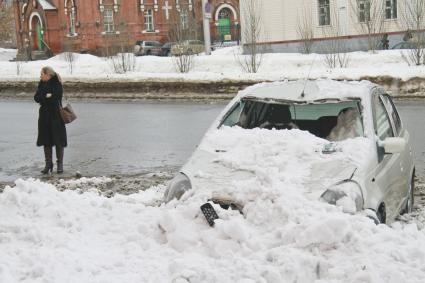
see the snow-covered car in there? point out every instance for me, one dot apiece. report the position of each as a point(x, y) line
point(339, 142)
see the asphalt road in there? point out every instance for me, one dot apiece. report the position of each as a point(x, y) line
point(113, 138)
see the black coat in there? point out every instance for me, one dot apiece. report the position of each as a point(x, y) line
point(51, 129)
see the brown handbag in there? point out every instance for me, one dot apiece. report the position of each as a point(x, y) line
point(67, 113)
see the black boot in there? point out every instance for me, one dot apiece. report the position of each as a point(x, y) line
point(59, 156)
point(48, 158)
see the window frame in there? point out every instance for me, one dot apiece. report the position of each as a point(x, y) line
point(184, 20)
point(391, 109)
point(377, 100)
point(72, 21)
point(108, 21)
point(391, 8)
point(363, 8)
point(148, 20)
point(323, 11)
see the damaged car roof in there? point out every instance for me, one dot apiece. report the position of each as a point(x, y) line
point(305, 91)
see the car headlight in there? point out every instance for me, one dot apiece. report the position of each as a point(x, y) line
point(177, 187)
point(346, 194)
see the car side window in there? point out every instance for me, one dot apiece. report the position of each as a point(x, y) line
point(233, 116)
point(382, 121)
point(392, 111)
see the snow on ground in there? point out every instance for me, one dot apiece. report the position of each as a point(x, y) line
point(7, 54)
point(222, 64)
point(47, 235)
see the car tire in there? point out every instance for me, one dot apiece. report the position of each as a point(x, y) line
point(411, 197)
point(381, 214)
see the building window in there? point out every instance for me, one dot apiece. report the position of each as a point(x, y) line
point(108, 20)
point(72, 22)
point(390, 9)
point(149, 20)
point(183, 19)
point(324, 13)
point(364, 10)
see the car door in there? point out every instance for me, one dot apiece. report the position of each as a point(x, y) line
point(405, 156)
point(388, 176)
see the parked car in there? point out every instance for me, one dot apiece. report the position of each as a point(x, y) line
point(187, 47)
point(338, 142)
point(166, 48)
point(146, 47)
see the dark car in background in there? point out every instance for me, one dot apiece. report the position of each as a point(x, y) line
point(147, 47)
point(166, 48)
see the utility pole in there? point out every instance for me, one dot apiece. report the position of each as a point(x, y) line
point(206, 15)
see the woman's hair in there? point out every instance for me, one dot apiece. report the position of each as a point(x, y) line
point(50, 72)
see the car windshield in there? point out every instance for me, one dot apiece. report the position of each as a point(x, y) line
point(334, 121)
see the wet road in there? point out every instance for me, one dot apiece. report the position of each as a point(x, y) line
point(133, 137)
point(107, 138)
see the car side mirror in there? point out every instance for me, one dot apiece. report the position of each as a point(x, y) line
point(393, 145)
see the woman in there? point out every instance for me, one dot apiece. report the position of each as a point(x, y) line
point(51, 128)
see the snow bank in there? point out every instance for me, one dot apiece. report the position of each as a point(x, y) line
point(7, 54)
point(222, 64)
point(52, 236)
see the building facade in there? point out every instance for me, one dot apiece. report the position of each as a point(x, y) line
point(51, 26)
point(286, 25)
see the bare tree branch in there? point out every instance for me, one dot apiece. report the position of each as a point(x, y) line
point(180, 32)
point(305, 29)
point(335, 48)
point(369, 16)
point(252, 29)
point(414, 21)
point(6, 24)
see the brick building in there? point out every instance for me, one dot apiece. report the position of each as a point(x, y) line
point(46, 27)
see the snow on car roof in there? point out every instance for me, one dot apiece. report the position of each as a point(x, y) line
point(313, 90)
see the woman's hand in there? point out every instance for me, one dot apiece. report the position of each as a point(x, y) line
point(48, 95)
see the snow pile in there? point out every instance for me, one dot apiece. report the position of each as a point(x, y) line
point(247, 165)
point(7, 54)
point(224, 63)
point(52, 236)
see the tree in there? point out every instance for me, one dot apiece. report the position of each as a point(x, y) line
point(305, 29)
point(182, 28)
point(414, 21)
point(335, 48)
point(6, 23)
point(251, 34)
point(370, 17)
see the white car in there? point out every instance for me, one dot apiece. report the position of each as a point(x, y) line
point(338, 142)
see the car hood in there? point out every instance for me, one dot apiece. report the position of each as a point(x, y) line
point(241, 165)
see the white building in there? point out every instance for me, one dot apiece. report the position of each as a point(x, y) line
point(286, 25)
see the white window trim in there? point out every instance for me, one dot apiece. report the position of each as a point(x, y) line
point(318, 15)
point(392, 10)
point(364, 11)
point(153, 22)
point(75, 22)
point(113, 23)
point(185, 23)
